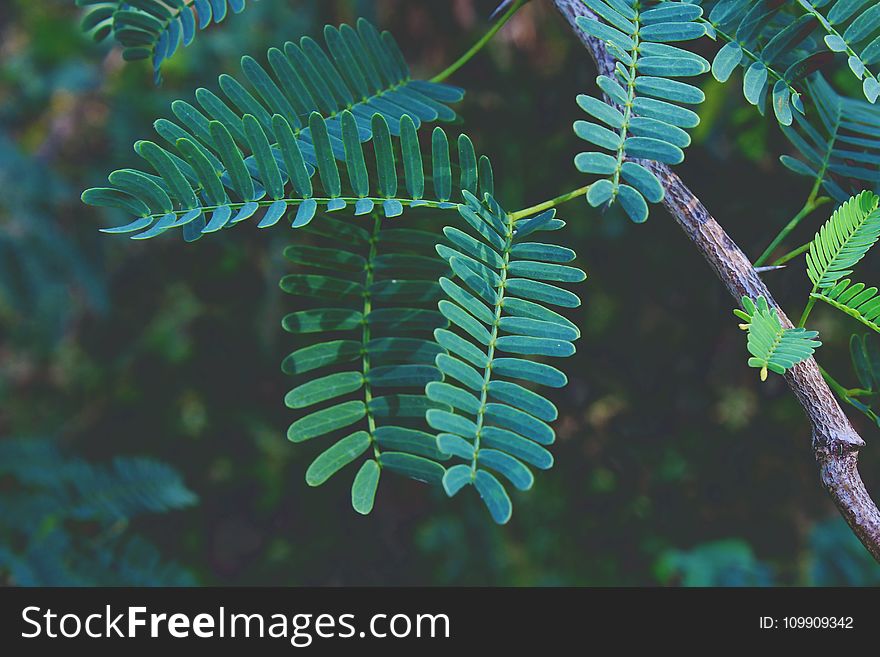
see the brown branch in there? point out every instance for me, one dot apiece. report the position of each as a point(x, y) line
point(835, 442)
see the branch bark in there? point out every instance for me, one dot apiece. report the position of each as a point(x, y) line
point(835, 442)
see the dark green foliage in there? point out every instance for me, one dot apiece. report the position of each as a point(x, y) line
point(780, 43)
point(40, 264)
point(839, 145)
point(154, 29)
point(837, 558)
point(54, 493)
point(650, 122)
point(720, 563)
point(865, 356)
point(500, 331)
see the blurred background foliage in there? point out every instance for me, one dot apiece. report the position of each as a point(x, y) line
point(674, 465)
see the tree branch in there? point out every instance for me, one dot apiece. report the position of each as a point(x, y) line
point(835, 442)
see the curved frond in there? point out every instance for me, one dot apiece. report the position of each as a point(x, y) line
point(842, 148)
point(205, 191)
point(364, 351)
point(854, 299)
point(501, 330)
point(648, 117)
point(154, 29)
point(844, 240)
point(773, 347)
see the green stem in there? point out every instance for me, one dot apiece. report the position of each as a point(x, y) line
point(791, 255)
point(490, 353)
point(478, 46)
point(365, 335)
point(810, 304)
point(811, 204)
point(552, 203)
point(322, 200)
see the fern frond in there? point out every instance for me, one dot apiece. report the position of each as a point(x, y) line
point(854, 299)
point(775, 45)
point(261, 155)
point(842, 148)
point(278, 178)
point(499, 326)
point(773, 347)
point(364, 351)
point(852, 27)
point(844, 240)
point(153, 29)
point(649, 124)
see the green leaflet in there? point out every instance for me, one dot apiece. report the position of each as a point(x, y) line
point(496, 424)
point(647, 118)
point(773, 347)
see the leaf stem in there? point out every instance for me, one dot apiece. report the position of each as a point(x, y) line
point(791, 255)
point(552, 203)
point(365, 335)
point(478, 46)
point(810, 304)
point(811, 204)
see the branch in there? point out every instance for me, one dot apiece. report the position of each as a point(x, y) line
point(835, 442)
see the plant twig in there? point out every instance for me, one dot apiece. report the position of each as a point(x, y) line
point(478, 46)
point(835, 442)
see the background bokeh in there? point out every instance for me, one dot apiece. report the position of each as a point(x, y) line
point(674, 464)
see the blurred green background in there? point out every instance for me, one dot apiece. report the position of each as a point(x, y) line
point(674, 465)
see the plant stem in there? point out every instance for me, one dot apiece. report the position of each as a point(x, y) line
point(478, 46)
point(365, 332)
point(810, 304)
point(811, 204)
point(552, 203)
point(791, 255)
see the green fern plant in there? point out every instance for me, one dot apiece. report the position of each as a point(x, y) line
point(63, 520)
point(153, 29)
point(772, 346)
point(647, 120)
point(500, 326)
